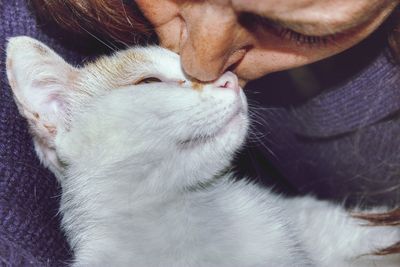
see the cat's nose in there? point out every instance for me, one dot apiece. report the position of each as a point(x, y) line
point(228, 80)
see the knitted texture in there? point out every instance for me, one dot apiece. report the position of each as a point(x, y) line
point(342, 143)
point(29, 225)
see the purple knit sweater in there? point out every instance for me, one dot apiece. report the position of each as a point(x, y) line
point(339, 143)
point(29, 225)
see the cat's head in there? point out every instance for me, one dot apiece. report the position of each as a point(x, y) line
point(132, 112)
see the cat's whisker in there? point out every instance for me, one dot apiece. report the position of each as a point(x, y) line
point(256, 136)
point(112, 48)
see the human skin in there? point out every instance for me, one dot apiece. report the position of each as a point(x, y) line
point(254, 38)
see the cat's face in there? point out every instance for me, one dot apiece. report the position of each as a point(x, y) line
point(134, 111)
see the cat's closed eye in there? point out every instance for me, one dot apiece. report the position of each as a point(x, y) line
point(148, 80)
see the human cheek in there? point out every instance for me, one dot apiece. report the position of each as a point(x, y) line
point(170, 34)
point(266, 63)
point(269, 61)
point(164, 15)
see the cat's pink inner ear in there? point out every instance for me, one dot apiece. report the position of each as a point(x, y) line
point(41, 82)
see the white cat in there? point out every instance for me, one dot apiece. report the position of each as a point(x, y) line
point(141, 164)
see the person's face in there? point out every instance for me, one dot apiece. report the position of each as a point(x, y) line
point(254, 38)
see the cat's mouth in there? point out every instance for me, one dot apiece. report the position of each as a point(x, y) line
point(206, 138)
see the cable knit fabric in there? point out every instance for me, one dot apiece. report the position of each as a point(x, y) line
point(343, 142)
point(340, 144)
point(29, 225)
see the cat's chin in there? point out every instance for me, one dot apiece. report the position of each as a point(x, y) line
point(233, 123)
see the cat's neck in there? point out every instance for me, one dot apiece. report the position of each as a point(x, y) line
point(129, 195)
point(140, 173)
point(134, 181)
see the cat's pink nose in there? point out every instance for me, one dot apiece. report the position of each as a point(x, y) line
point(228, 80)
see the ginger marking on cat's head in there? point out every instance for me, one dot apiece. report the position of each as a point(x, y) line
point(198, 86)
point(40, 49)
point(80, 115)
point(51, 128)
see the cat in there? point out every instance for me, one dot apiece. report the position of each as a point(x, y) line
point(142, 154)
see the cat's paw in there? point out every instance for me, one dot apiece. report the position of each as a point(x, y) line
point(384, 220)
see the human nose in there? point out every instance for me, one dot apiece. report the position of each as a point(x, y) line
point(209, 47)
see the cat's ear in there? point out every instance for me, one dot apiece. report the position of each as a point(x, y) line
point(41, 82)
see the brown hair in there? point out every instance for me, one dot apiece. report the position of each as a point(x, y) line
point(120, 21)
point(115, 21)
point(391, 218)
point(393, 30)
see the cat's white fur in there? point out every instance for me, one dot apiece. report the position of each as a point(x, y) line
point(141, 169)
